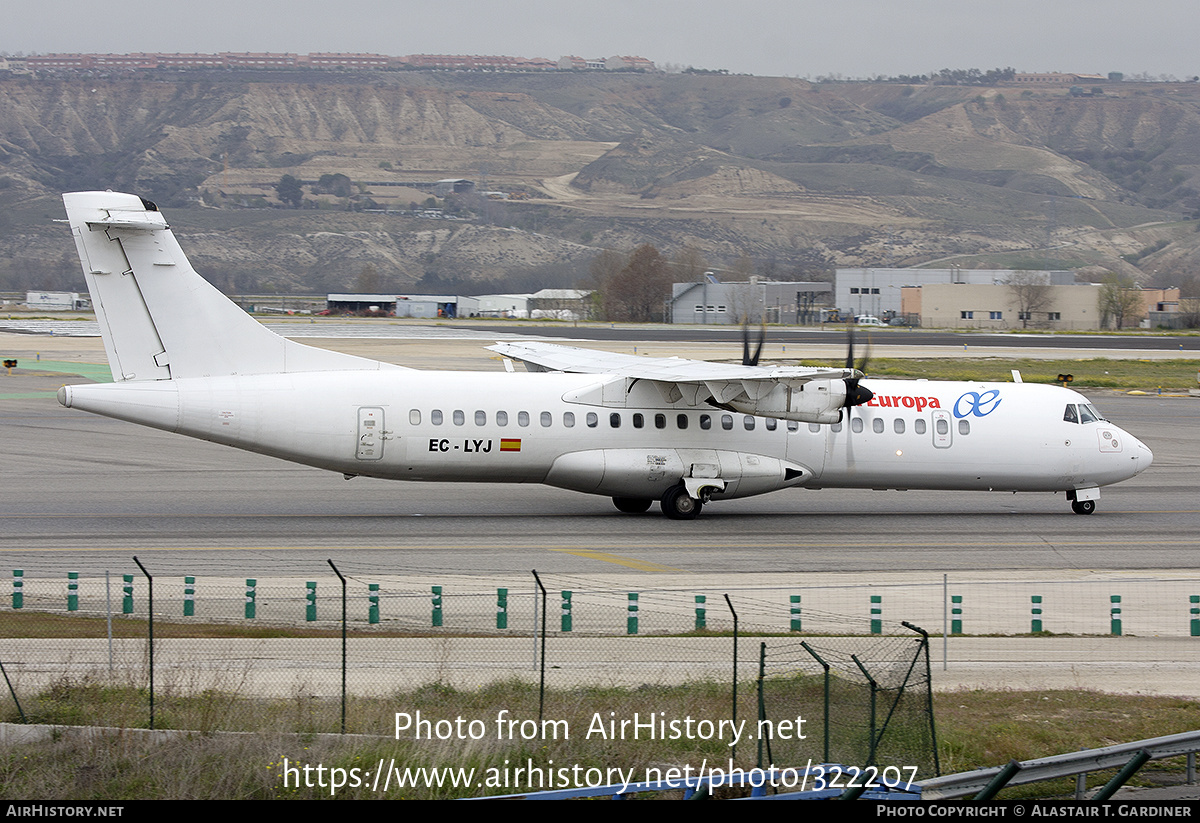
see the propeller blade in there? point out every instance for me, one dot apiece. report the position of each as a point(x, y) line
point(747, 358)
point(856, 395)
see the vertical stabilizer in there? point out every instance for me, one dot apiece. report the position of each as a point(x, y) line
point(160, 319)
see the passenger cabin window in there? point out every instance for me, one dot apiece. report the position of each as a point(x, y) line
point(727, 422)
point(638, 420)
point(414, 417)
point(856, 424)
point(547, 419)
point(1070, 415)
point(435, 417)
point(898, 425)
point(614, 420)
point(681, 421)
point(748, 422)
point(793, 426)
point(877, 425)
point(569, 420)
point(522, 418)
point(705, 422)
point(964, 426)
point(480, 418)
point(660, 421)
point(501, 418)
point(942, 426)
point(919, 426)
point(836, 427)
point(592, 420)
point(771, 423)
point(460, 417)
point(813, 427)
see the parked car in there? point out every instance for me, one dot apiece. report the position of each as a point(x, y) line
point(868, 320)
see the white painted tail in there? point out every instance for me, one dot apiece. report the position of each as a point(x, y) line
point(160, 320)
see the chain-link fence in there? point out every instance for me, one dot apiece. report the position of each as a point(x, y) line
point(272, 650)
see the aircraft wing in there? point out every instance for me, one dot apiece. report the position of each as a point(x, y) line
point(768, 391)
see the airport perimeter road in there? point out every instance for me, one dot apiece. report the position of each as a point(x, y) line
point(81, 491)
point(803, 336)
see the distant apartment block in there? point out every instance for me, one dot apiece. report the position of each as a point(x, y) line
point(322, 60)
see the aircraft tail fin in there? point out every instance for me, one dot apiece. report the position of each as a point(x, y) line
point(160, 320)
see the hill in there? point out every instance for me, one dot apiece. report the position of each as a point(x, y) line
point(796, 176)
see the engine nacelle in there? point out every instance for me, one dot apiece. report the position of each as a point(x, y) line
point(817, 401)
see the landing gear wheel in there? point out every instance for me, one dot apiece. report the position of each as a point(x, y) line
point(632, 505)
point(1083, 506)
point(677, 504)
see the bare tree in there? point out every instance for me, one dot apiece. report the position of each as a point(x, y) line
point(1120, 300)
point(638, 291)
point(1031, 292)
point(602, 273)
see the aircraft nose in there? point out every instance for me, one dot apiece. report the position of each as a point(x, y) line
point(1144, 456)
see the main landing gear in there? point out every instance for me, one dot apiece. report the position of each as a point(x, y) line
point(677, 504)
point(632, 505)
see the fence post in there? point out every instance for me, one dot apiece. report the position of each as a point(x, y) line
point(501, 608)
point(701, 612)
point(251, 597)
point(436, 617)
point(18, 588)
point(795, 601)
point(956, 611)
point(343, 579)
point(373, 600)
point(310, 598)
point(1114, 614)
point(72, 591)
point(876, 614)
point(631, 620)
point(127, 600)
point(1035, 622)
point(566, 611)
point(149, 623)
point(189, 596)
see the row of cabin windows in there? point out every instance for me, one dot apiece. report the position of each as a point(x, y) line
point(592, 420)
point(682, 421)
point(878, 425)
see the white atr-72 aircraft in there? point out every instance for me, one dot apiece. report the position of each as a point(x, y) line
point(185, 359)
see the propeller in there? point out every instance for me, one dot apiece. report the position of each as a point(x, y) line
point(856, 395)
point(747, 359)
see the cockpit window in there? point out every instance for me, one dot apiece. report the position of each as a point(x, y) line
point(1070, 415)
point(1096, 412)
point(1085, 414)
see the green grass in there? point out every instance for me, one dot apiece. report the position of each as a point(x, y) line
point(1088, 373)
point(976, 729)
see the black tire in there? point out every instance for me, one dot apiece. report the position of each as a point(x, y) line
point(1083, 506)
point(632, 505)
point(677, 504)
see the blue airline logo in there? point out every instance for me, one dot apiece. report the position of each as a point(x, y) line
point(977, 403)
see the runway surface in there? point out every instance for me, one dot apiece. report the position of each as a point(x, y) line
point(83, 490)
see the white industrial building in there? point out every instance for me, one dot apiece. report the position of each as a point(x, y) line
point(877, 291)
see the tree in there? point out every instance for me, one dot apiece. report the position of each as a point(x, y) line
point(339, 185)
point(368, 280)
point(1120, 300)
point(1031, 292)
point(289, 190)
point(638, 290)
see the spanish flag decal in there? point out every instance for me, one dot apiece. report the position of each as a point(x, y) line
point(510, 445)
